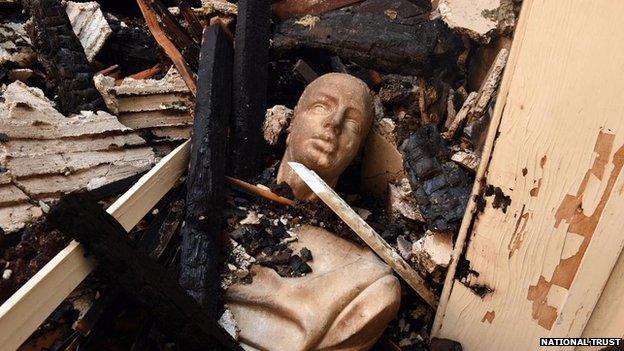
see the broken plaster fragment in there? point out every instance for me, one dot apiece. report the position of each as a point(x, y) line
point(252, 218)
point(308, 21)
point(275, 123)
point(401, 201)
point(467, 159)
point(89, 25)
point(105, 85)
point(433, 253)
point(15, 45)
point(480, 20)
point(228, 323)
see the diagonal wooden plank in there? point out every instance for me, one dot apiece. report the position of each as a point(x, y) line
point(25, 310)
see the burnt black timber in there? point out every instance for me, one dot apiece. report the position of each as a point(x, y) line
point(199, 252)
point(159, 234)
point(134, 272)
point(131, 46)
point(410, 44)
point(60, 53)
point(441, 187)
point(156, 240)
point(251, 60)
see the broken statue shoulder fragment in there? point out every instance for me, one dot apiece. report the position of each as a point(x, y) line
point(345, 303)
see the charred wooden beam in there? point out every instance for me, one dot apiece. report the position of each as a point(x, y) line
point(199, 257)
point(174, 311)
point(131, 46)
point(61, 54)
point(160, 232)
point(251, 59)
point(441, 188)
point(403, 41)
point(297, 8)
point(183, 41)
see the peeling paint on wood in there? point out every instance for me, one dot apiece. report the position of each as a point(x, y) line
point(558, 155)
point(488, 317)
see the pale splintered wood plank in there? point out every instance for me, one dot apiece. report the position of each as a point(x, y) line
point(23, 312)
point(143, 195)
point(543, 262)
point(365, 232)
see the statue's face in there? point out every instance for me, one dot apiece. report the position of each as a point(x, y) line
point(331, 121)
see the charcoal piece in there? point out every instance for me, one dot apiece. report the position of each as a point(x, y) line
point(444, 345)
point(131, 46)
point(251, 60)
point(60, 53)
point(298, 266)
point(441, 187)
point(175, 312)
point(199, 253)
point(306, 254)
point(409, 44)
point(158, 238)
point(398, 89)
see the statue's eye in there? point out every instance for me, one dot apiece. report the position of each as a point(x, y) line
point(353, 124)
point(319, 108)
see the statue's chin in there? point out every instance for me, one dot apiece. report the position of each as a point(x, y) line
point(320, 161)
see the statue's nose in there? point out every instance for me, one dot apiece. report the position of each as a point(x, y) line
point(334, 120)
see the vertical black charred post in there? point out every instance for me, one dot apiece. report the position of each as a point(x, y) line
point(200, 254)
point(251, 60)
point(60, 53)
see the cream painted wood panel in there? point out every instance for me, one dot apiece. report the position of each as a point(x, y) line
point(541, 264)
point(607, 319)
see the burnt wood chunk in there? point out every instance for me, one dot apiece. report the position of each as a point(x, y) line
point(175, 312)
point(60, 53)
point(199, 256)
point(373, 34)
point(251, 60)
point(441, 188)
point(131, 46)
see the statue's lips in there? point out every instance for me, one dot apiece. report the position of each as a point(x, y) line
point(323, 145)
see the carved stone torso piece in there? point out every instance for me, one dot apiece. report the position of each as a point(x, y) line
point(330, 123)
point(344, 304)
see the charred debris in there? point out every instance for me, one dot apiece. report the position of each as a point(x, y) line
point(95, 93)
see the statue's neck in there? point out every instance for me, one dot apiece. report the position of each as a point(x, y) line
point(300, 189)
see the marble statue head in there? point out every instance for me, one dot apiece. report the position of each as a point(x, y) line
point(330, 124)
